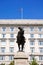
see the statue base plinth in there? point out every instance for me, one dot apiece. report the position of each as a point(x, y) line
point(20, 58)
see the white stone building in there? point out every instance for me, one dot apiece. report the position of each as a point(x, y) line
point(33, 32)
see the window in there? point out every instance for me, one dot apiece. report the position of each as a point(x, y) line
point(11, 49)
point(2, 57)
point(2, 49)
point(11, 57)
point(31, 28)
point(11, 42)
point(3, 35)
point(40, 28)
point(11, 35)
point(41, 50)
point(11, 28)
point(3, 42)
point(3, 28)
point(31, 57)
point(31, 42)
point(40, 57)
point(31, 35)
point(32, 49)
point(40, 42)
point(40, 35)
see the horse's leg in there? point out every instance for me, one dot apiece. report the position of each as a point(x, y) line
point(19, 46)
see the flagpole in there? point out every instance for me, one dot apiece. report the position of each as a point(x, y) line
point(21, 13)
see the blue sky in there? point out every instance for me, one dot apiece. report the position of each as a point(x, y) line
point(10, 9)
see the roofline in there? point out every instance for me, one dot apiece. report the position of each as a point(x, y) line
point(21, 21)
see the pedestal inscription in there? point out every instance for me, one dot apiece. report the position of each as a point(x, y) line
point(21, 62)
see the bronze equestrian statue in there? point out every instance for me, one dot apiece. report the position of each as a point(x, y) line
point(20, 38)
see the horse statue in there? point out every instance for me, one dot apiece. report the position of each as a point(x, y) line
point(20, 38)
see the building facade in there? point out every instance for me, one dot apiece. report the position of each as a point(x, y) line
point(33, 32)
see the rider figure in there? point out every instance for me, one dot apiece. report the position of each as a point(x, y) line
point(20, 38)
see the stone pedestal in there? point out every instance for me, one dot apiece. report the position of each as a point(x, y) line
point(20, 58)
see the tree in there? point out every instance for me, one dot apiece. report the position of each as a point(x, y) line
point(33, 62)
point(2, 63)
point(11, 63)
